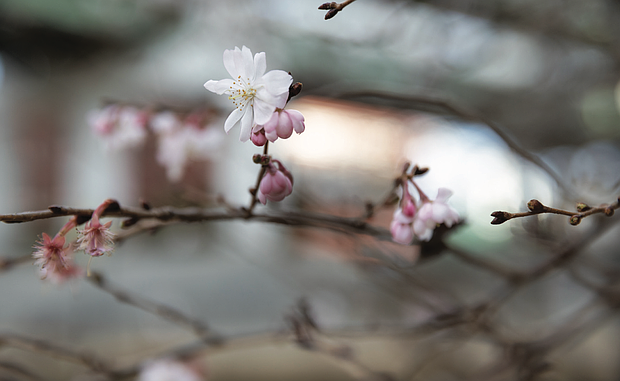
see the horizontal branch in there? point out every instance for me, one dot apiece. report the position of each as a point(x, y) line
point(536, 207)
point(194, 214)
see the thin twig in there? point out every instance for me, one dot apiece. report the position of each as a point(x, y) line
point(536, 207)
point(54, 350)
point(163, 311)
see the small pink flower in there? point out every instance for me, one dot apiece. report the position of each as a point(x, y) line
point(276, 184)
point(51, 253)
point(282, 124)
point(433, 213)
point(97, 239)
point(55, 258)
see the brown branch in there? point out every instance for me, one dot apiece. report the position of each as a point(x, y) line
point(536, 207)
point(193, 214)
point(333, 8)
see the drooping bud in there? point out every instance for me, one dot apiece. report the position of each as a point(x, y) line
point(609, 211)
point(575, 220)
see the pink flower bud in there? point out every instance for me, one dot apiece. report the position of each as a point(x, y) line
point(276, 184)
point(408, 207)
point(283, 123)
point(258, 138)
point(400, 228)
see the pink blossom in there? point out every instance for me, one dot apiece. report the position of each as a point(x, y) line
point(55, 258)
point(282, 124)
point(170, 370)
point(97, 239)
point(401, 228)
point(119, 126)
point(276, 184)
point(433, 213)
point(51, 253)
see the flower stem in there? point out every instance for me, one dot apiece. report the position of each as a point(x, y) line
point(261, 173)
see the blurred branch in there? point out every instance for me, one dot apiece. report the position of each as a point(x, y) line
point(422, 103)
point(53, 350)
point(18, 369)
point(165, 312)
point(8, 263)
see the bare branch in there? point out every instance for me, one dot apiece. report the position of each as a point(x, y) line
point(165, 312)
point(333, 8)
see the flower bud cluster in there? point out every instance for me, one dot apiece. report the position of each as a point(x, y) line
point(259, 99)
point(419, 218)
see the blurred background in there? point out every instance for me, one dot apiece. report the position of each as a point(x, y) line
point(547, 72)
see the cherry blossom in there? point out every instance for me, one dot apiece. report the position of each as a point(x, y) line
point(120, 127)
point(276, 184)
point(54, 257)
point(96, 239)
point(255, 94)
point(432, 213)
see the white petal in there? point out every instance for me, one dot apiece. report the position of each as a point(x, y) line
point(260, 65)
point(277, 101)
point(229, 63)
point(239, 64)
point(277, 82)
point(248, 64)
point(263, 111)
point(246, 126)
point(219, 87)
point(421, 230)
point(443, 194)
point(233, 119)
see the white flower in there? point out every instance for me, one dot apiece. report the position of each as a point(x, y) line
point(432, 213)
point(256, 95)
